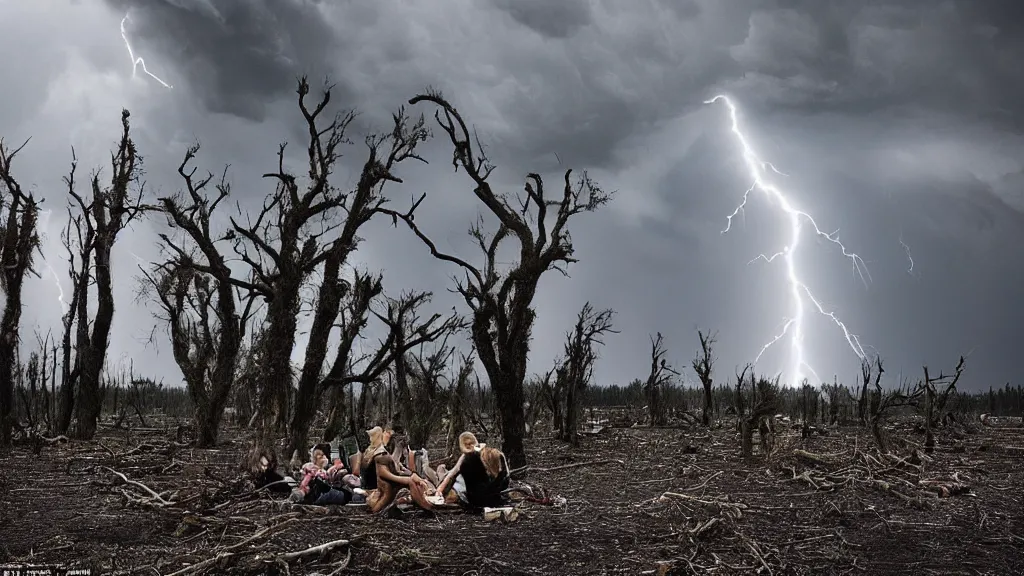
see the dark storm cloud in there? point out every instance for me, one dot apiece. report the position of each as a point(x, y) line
point(956, 57)
point(551, 19)
point(236, 55)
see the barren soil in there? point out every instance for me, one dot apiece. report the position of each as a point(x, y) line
point(854, 512)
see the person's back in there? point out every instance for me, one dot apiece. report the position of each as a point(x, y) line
point(483, 488)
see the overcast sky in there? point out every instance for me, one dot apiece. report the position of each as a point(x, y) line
point(891, 120)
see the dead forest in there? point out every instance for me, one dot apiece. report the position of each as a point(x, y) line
point(117, 470)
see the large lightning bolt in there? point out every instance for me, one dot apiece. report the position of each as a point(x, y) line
point(799, 291)
point(138, 61)
point(56, 279)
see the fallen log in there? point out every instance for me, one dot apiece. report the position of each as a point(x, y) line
point(811, 457)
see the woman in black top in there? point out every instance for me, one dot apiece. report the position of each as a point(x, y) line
point(485, 474)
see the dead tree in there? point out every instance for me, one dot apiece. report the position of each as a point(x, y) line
point(660, 375)
point(764, 405)
point(20, 239)
point(341, 408)
point(406, 331)
point(288, 240)
point(835, 393)
point(502, 302)
point(196, 292)
point(741, 376)
point(458, 404)
point(205, 335)
point(862, 403)
point(78, 240)
point(703, 364)
point(935, 399)
point(577, 366)
point(351, 318)
point(809, 401)
point(884, 402)
point(28, 395)
point(551, 390)
point(535, 402)
point(48, 350)
point(419, 395)
point(108, 211)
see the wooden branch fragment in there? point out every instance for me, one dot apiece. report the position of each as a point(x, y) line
point(259, 534)
point(155, 496)
point(807, 540)
point(702, 484)
point(315, 550)
point(811, 457)
point(731, 509)
point(575, 465)
point(199, 566)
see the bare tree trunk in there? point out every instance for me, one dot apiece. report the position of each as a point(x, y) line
point(309, 392)
point(337, 414)
point(703, 364)
point(68, 374)
point(364, 401)
point(281, 323)
point(52, 407)
point(93, 350)
point(570, 432)
point(929, 416)
point(19, 241)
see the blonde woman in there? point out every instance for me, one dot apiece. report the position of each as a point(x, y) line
point(479, 477)
point(382, 473)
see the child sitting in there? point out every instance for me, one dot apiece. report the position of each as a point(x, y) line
point(322, 485)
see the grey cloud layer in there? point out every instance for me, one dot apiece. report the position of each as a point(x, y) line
point(892, 117)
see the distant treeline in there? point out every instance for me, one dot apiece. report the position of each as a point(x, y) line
point(132, 401)
point(1005, 401)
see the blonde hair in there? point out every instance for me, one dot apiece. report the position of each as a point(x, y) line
point(467, 442)
point(492, 459)
point(376, 435)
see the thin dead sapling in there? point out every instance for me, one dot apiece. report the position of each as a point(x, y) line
point(658, 378)
point(577, 365)
point(703, 364)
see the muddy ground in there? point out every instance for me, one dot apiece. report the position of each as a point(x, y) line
point(853, 511)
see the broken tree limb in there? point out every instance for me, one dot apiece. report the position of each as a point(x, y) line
point(568, 466)
point(264, 532)
point(199, 566)
point(704, 483)
point(732, 509)
point(315, 550)
point(811, 457)
point(137, 484)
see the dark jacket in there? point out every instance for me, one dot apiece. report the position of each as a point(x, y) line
point(482, 490)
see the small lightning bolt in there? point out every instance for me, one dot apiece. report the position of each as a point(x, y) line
point(137, 258)
point(909, 256)
point(56, 279)
point(138, 61)
point(799, 291)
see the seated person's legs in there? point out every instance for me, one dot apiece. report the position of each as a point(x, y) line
point(334, 497)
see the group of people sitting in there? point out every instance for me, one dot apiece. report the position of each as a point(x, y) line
point(376, 477)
